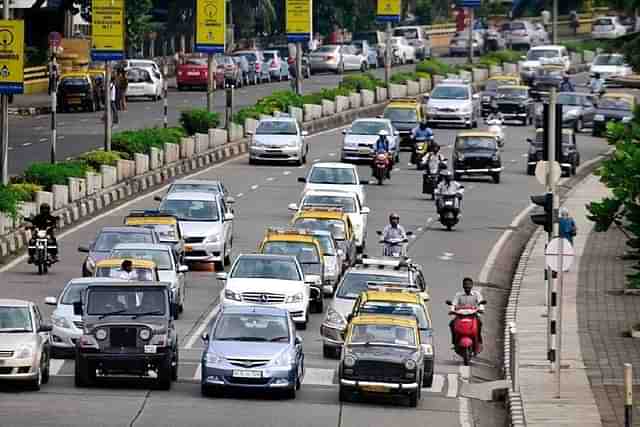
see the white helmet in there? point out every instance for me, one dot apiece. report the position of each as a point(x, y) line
point(383, 133)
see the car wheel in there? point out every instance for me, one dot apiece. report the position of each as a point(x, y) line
point(290, 393)
point(427, 381)
point(252, 161)
point(46, 369)
point(363, 67)
point(413, 398)
point(164, 375)
point(82, 374)
point(496, 178)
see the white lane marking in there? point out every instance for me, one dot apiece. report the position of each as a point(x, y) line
point(316, 160)
point(318, 376)
point(254, 187)
point(438, 384)
point(26, 144)
point(464, 407)
point(525, 155)
point(84, 120)
point(332, 154)
point(239, 194)
point(10, 148)
point(204, 325)
point(55, 365)
point(61, 137)
point(452, 389)
point(198, 373)
point(38, 128)
point(44, 139)
point(286, 173)
point(270, 179)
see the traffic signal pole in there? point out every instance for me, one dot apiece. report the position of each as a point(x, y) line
point(4, 123)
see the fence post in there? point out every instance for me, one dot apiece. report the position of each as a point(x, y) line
point(515, 359)
point(628, 395)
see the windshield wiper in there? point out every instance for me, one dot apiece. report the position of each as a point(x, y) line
point(148, 313)
point(112, 313)
point(280, 338)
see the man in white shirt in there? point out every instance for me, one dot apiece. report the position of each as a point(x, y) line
point(114, 106)
point(469, 296)
point(126, 271)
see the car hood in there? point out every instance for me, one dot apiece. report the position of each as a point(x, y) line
point(11, 341)
point(351, 138)
point(616, 114)
point(99, 255)
point(287, 287)
point(381, 353)
point(335, 187)
point(343, 306)
point(275, 139)
point(66, 311)
point(200, 228)
point(609, 69)
point(530, 64)
point(447, 103)
point(249, 350)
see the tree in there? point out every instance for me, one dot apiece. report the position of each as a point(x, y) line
point(248, 15)
point(138, 19)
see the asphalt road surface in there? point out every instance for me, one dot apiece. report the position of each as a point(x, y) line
point(447, 257)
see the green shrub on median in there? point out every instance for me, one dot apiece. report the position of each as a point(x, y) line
point(9, 201)
point(435, 66)
point(47, 174)
point(99, 157)
point(198, 120)
point(141, 141)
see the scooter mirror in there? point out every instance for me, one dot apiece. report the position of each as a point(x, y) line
point(483, 301)
point(379, 233)
point(448, 302)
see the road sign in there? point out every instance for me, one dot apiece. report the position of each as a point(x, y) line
point(299, 20)
point(552, 253)
point(388, 11)
point(107, 30)
point(211, 26)
point(541, 172)
point(11, 56)
point(55, 38)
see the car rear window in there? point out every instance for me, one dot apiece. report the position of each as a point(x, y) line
point(354, 284)
point(603, 21)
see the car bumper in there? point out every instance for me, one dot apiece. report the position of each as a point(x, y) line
point(223, 376)
point(324, 66)
point(450, 119)
point(513, 116)
point(195, 81)
point(203, 252)
point(284, 155)
point(331, 335)
point(17, 369)
point(519, 41)
point(64, 338)
point(383, 386)
point(298, 311)
point(479, 171)
point(126, 364)
point(357, 154)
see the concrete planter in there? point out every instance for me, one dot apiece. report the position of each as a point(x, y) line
point(187, 147)
point(126, 169)
point(156, 157)
point(297, 113)
point(381, 94)
point(312, 112)
point(437, 79)
point(94, 182)
point(495, 70)
point(250, 125)
point(109, 175)
point(355, 100)
point(235, 132)
point(397, 91)
point(171, 153)
point(26, 210)
point(368, 97)
point(413, 88)
point(480, 75)
point(77, 188)
point(217, 137)
point(510, 68)
point(44, 197)
point(142, 163)
point(60, 196)
point(342, 103)
point(328, 108)
point(425, 85)
point(467, 76)
point(202, 142)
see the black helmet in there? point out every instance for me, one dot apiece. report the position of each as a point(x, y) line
point(45, 209)
point(596, 75)
point(394, 216)
point(423, 125)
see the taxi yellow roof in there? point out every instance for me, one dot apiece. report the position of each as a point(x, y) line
point(619, 95)
point(477, 134)
point(284, 237)
point(142, 220)
point(399, 297)
point(379, 319)
point(320, 214)
point(505, 77)
point(117, 262)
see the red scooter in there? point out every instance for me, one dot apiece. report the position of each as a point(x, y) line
point(381, 166)
point(465, 328)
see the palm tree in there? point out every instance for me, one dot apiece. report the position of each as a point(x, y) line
point(247, 14)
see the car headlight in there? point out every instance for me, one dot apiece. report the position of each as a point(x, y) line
point(292, 299)
point(410, 365)
point(229, 294)
point(598, 118)
point(283, 359)
point(428, 349)
point(465, 109)
point(60, 322)
point(90, 264)
point(214, 358)
point(25, 352)
point(214, 238)
point(101, 334)
point(349, 361)
point(161, 340)
point(145, 334)
point(334, 317)
point(626, 119)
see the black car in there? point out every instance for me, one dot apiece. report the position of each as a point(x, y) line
point(578, 110)
point(570, 156)
point(612, 107)
point(76, 91)
point(488, 95)
point(476, 153)
point(514, 103)
point(129, 330)
point(544, 79)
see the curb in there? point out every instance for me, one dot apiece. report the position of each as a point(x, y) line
point(29, 111)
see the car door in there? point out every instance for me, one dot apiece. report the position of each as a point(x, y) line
point(43, 337)
point(350, 58)
point(588, 110)
point(227, 226)
point(180, 275)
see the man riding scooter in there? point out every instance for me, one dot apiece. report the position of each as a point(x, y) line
point(44, 221)
point(447, 187)
point(466, 326)
point(382, 146)
point(597, 85)
point(471, 297)
point(434, 162)
point(422, 137)
point(566, 85)
point(393, 236)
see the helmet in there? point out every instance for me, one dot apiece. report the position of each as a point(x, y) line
point(423, 125)
point(436, 147)
point(383, 133)
point(596, 75)
point(394, 216)
point(45, 209)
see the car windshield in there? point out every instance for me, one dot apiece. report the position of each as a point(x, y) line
point(192, 210)
point(138, 75)
point(450, 92)
point(165, 232)
point(614, 104)
point(268, 56)
point(517, 26)
point(336, 227)
point(326, 49)
point(15, 319)
point(354, 284)
point(570, 99)
point(276, 127)
point(74, 81)
point(265, 268)
point(162, 258)
point(107, 240)
point(363, 127)
point(512, 92)
point(407, 115)
point(338, 176)
point(251, 57)
point(73, 293)
point(252, 327)
point(381, 334)
point(196, 61)
point(307, 253)
point(407, 33)
point(609, 60)
point(326, 243)
point(537, 54)
point(184, 187)
point(397, 309)
point(603, 21)
point(140, 274)
point(476, 143)
point(140, 64)
point(130, 301)
point(348, 204)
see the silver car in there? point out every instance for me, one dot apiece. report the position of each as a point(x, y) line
point(360, 139)
point(337, 58)
point(459, 44)
point(207, 225)
point(522, 34)
point(453, 103)
point(278, 139)
point(24, 343)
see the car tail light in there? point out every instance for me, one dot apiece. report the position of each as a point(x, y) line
point(273, 63)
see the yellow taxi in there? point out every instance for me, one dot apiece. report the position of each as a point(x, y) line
point(76, 91)
point(165, 225)
point(490, 92)
point(405, 114)
point(382, 354)
point(142, 271)
point(332, 219)
point(394, 303)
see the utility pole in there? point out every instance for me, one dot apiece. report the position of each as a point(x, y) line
point(387, 56)
point(4, 105)
point(107, 105)
point(554, 22)
point(299, 75)
point(211, 78)
point(53, 78)
point(470, 15)
point(555, 360)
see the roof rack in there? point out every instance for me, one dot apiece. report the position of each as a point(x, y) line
point(323, 207)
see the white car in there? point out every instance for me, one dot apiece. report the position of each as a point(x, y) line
point(544, 55)
point(453, 103)
point(334, 177)
point(144, 83)
point(360, 139)
point(169, 268)
point(610, 64)
point(276, 280)
point(349, 202)
point(607, 27)
point(206, 222)
point(405, 51)
point(416, 37)
point(278, 139)
point(139, 63)
point(67, 325)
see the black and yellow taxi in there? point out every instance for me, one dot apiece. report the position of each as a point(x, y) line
point(164, 224)
point(142, 270)
point(390, 301)
point(476, 153)
point(405, 114)
point(382, 354)
point(76, 91)
point(488, 95)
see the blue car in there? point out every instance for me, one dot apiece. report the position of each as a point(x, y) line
point(252, 347)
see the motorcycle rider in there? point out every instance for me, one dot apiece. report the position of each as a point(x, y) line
point(597, 84)
point(44, 221)
point(382, 146)
point(393, 231)
point(467, 297)
point(566, 85)
point(422, 132)
point(447, 187)
point(433, 160)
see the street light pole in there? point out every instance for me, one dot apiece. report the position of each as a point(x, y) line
point(53, 76)
point(554, 22)
point(470, 14)
point(4, 123)
point(299, 75)
point(387, 56)
point(107, 106)
point(211, 78)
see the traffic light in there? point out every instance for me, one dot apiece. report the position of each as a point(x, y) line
point(546, 119)
point(545, 219)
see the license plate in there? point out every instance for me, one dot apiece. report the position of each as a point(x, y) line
point(74, 101)
point(374, 388)
point(245, 373)
point(448, 203)
point(188, 248)
point(193, 73)
point(150, 349)
point(364, 150)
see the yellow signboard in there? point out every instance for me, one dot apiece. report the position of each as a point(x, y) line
point(299, 20)
point(107, 30)
point(11, 56)
point(210, 26)
point(388, 10)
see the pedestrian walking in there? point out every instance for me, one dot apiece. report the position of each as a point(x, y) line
point(123, 84)
point(546, 19)
point(567, 225)
point(114, 106)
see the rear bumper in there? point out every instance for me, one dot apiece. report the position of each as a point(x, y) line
point(388, 386)
point(450, 119)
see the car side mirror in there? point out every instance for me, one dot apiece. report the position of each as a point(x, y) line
point(298, 340)
point(205, 337)
point(157, 198)
point(365, 211)
point(302, 179)
point(228, 217)
point(45, 327)
point(183, 269)
point(229, 200)
point(364, 182)
point(293, 207)
point(448, 302)
point(51, 301)
point(304, 133)
point(83, 248)
point(222, 276)
point(77, 308)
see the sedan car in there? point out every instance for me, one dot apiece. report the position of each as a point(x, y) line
point(206, 185)
point(459, 44)
point(258, 71)
point(608, 65)
point(569, 156)
point(539, 56)
point(607, 27)
point(278, 139)
point(453, 104)
point(107, 239)
point(476, 153)
point(278, 67)
point(403, 50)
point(514, 103)
point(520, 34)
point(24, 343)
point(337, 58)
point(613, 107)
point(578, 110)
point(360, 139)
point(193, 72)
point(252, 348)
point(334, 177)
point(417, 37)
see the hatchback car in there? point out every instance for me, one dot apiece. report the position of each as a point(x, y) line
point(337, 58)
point(416, 37)
point(278, 139)
point(402, 50)
point(193, 72)
point(609, 65)
point(453, 104)
point(459, 44)
point(144, 83)
point(360, 139)
point(252, 347)
point(24, 343)
point(607, 27)
point(476, 153)
point(521, 34)
point(278, 67)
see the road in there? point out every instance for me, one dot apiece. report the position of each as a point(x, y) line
point(447, 257)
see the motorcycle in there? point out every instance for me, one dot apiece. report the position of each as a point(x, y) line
point(420, 149)
point(380, 167)
point(40, 243)
point(449, 210)
point(495, 126)
point(466, 330)
point(431, 176)
point(395, 248)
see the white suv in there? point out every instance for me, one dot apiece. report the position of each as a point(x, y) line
point(276, 280)
point(453, 103)
point(544, 55)
point(608, 27)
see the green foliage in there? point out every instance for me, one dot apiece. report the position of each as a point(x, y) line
point(631, 51)
point(435, 67)
point(138, 22)
point(99, 157)
point(25, 191)
point(198, 120)
point(402, 78)
point(35, 57)
point(47, 174)
point(591, 45)
point(357, 82)
point(141, 141)
point(9, 201)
